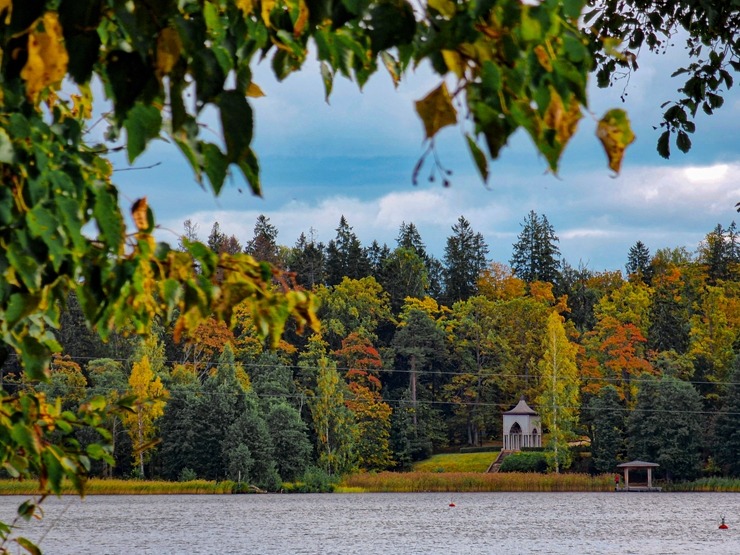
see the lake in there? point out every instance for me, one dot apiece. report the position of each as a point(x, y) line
point(368, 524)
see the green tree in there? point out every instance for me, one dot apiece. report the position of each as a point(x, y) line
point(345, 257)
point(263, 244)
point(727, 426)
point(536, 257)
point(606, 419)
point(420, 344)
point(354, 305)
point(292, 446)
point(559, 396)
point(333, 422)
point(719, 253)
point(308, 260)
point(465, 258)
point(666, 427)
point(404, 275)
point(638, 262)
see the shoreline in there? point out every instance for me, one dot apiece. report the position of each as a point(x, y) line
point(381, 482)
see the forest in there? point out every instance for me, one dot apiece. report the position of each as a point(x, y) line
point(418, 355)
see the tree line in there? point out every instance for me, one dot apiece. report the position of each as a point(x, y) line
point(417, 354)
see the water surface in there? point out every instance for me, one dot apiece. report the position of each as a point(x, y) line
point(368, 524)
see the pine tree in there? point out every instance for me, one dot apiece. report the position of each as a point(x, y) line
point(345, 256)
point(720, 254)
point(536, 257)
point(308, 260)
point(606, 417)
point(638, 263)
point(465, 258)
point(263, 245)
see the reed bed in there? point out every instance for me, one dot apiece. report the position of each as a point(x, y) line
point(123, 487)
point(706, 484)
point(415, 482)
point(456, 462)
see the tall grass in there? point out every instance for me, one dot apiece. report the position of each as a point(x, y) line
point(706, 484)
point(123, 487)
point(456, 462)
point(414, 482)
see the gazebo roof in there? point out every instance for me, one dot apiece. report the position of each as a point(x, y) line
point(522, 408)
point(638, 464)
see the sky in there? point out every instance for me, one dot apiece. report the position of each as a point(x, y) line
point(355, 155)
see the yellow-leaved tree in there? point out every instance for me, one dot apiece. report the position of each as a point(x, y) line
point(151, 398)
point(558, 400)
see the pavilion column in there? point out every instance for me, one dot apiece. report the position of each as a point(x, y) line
point(627, 478)
point(650, 477)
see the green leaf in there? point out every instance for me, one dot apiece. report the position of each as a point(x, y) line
point(142, 124)
point(128, 76)
point(19, 306)
point(572, 8)
point(25, 266)
point(108, 217)
point(251, 170)
point(27, 509)
point(35, 356)
point(664, 147)
point(328, 77)
point(43, 224)
point(96, 451)
point(215, 165)
point(683, 142)
point(29, 546)
point(479, 157)
point(236, 122)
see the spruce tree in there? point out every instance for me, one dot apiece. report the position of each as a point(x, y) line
point(308, 260)
point(345, 256)
point(465, 257)
point(536, 257)
point(638, 263)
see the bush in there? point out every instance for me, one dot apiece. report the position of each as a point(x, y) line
point(314, 480)
point(187, 475)
point(525, 462)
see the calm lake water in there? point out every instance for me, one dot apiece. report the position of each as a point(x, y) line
point(365, 524)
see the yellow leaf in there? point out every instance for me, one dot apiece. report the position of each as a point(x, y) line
point(169, 47)
point(254, 91)
point(267, 6)
point(563, 121)
point(246, 6)
point(616, 135)
point(47, 58)
point(300, 23)
point(436, 110)
point(454, 62)
point(445, 7)
point(139, 214)
point(6, 5)
point(543, 57)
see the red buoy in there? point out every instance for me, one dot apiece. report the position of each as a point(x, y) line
point(723, 526)
point(452, 504)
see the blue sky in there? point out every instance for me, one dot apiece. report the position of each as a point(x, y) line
point(355, 156)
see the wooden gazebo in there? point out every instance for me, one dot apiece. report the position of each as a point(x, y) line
point(638, 465)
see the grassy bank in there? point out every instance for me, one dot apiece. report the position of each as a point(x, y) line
point(124, 487)
point(456, 462)
point(474, 482)
point(706, 484)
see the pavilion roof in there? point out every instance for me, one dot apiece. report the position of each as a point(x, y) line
point(638, 464)
point(522, 408)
